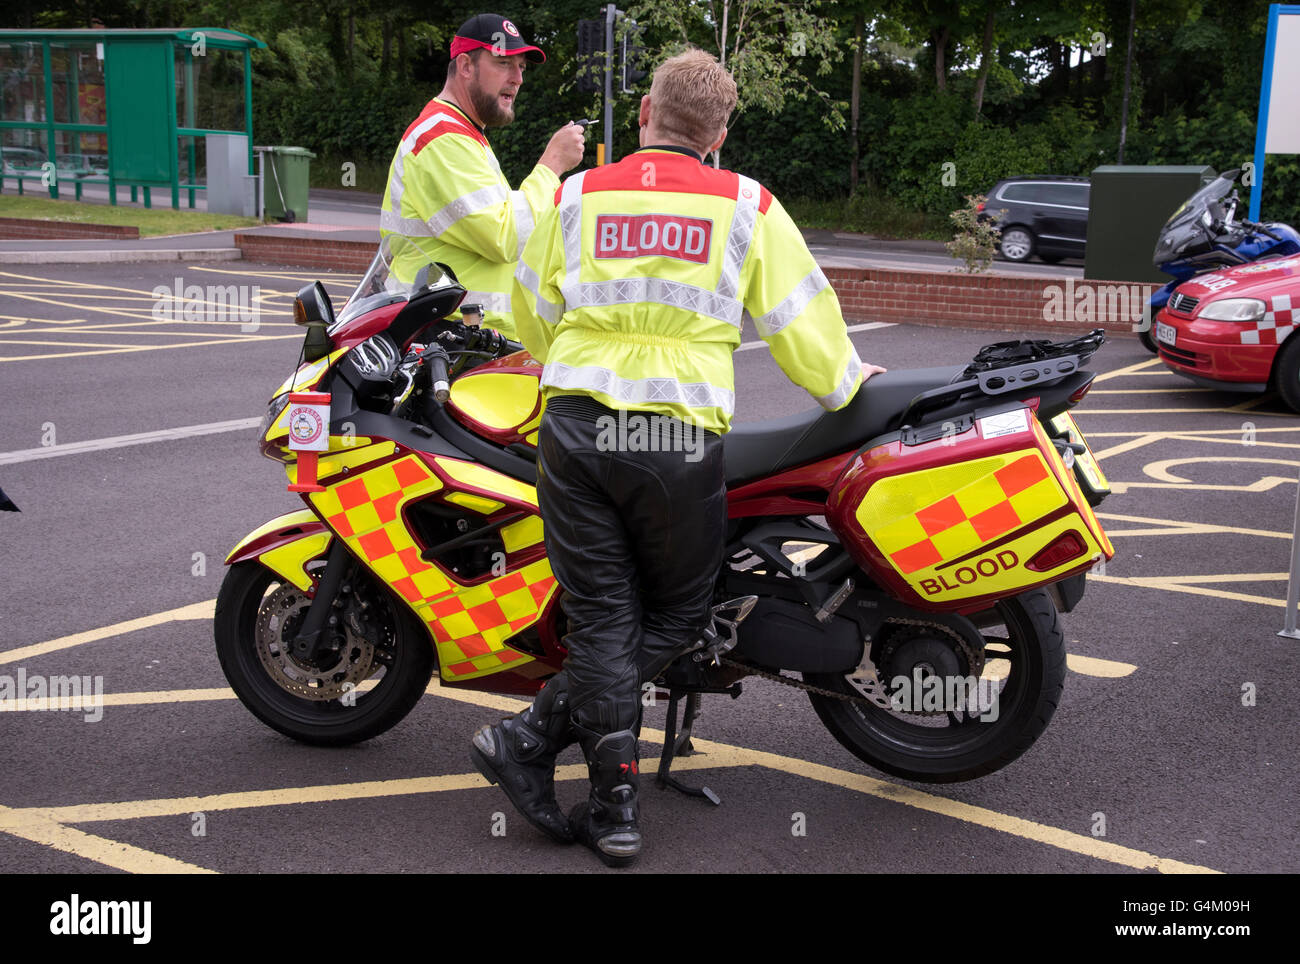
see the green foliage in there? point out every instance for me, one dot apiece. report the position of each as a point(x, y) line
point(346, 77)
point(976, 240)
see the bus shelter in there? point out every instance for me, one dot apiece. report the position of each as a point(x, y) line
point(126, 108)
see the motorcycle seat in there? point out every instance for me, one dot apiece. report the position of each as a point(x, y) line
point(762, 448)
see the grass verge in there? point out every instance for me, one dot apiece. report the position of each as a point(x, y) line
point(151, 222)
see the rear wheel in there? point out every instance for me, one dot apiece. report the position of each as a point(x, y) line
point(1017, 680)
point(1017, 243)
point(376, 670)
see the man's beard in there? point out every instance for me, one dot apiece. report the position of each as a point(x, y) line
point(488, 107)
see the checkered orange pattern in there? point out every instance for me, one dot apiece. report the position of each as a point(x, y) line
point(989, 507)
point(470, 624)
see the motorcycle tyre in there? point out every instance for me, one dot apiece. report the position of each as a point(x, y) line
point(1032, 614)
point(320, 723)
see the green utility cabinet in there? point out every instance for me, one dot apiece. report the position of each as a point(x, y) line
point(285, 179)
point(1129, 205)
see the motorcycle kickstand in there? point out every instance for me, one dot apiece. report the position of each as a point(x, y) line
point(674, 745)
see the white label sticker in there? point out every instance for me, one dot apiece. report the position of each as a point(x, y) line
point(1008, 423)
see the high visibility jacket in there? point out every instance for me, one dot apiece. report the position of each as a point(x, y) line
point(634, 290)
point(446, 192)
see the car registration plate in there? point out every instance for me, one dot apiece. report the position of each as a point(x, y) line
point(1166, 333)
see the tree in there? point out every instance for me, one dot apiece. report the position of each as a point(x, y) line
point(764, 44)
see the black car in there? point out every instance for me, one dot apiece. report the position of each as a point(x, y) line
point(1046, 216)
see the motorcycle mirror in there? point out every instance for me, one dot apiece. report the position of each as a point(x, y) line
point(312, 306)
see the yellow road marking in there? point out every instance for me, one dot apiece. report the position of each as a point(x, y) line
point(1180, 411)
point(1266, 484)
point(1078, 843)
point(46, 321)
point(1128, 446)
point(1130, 370)
point(32, 826)
point(1145, 391)
point(1175, 584)
point(201, 610)
point(1229, 577)
point(1162, 470)
point(131, 348)
point(1103, 668)
point(1197, 433)
point(1177, 526)
point(710, 756)
point(289, 276)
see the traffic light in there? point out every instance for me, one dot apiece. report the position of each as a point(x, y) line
point(633, 55)
point(591, 56)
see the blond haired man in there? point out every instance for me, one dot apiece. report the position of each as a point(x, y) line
point(633, 292)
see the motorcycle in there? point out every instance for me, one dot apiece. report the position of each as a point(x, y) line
point(1203, 236)
point(907, 556)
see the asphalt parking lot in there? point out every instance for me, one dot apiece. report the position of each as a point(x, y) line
point(1173, 749)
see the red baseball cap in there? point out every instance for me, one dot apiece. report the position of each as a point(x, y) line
point(488, 31)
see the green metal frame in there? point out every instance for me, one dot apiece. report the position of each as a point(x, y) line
point(215, 37)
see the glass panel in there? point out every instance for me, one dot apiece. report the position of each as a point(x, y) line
point(22, 82)
point(192, 160)
point(22, 150)
point(213, 98)
point(78, 77)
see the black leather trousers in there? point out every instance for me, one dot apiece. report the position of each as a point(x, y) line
point(635, 538)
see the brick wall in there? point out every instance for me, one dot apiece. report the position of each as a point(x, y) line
point(954, 300)
point(305, 251)
point(12, 229)
point(998, 302)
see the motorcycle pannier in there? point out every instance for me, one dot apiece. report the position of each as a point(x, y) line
point(951, 513)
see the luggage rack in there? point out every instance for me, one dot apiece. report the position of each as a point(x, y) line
point(1009, 366)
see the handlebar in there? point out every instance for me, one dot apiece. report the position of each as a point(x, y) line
point(435, 356)
point(1255, 226)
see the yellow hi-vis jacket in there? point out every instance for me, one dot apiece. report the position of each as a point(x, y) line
point(633, 290)
point(447, 194)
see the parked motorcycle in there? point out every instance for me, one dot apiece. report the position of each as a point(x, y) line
point(1202, 235)
point(909, 554)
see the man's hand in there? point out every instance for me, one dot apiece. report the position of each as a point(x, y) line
point(868, 370)
point(565, 150)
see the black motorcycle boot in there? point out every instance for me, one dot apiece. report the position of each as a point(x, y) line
point(519, 754)
point(608, 821)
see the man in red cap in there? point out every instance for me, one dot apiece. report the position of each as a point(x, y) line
point(445, 188)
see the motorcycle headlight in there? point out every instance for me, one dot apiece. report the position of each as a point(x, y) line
point(272, 413)
point(1233, 309)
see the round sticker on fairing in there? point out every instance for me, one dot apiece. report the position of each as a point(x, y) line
point(510, 28)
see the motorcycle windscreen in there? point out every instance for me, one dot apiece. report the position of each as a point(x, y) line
point(987, 511)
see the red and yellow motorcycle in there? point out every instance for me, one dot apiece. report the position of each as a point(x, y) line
point(909, 554)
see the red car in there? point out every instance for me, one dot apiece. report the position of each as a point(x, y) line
point(1228, 329)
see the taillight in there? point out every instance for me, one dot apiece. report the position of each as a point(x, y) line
point(1066, 546)
point(1081, 391)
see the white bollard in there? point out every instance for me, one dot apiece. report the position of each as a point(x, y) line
point(1293, 584)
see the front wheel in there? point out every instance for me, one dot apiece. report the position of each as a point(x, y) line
point(375, 671)
point(1014, 688)
point(1286, 373)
